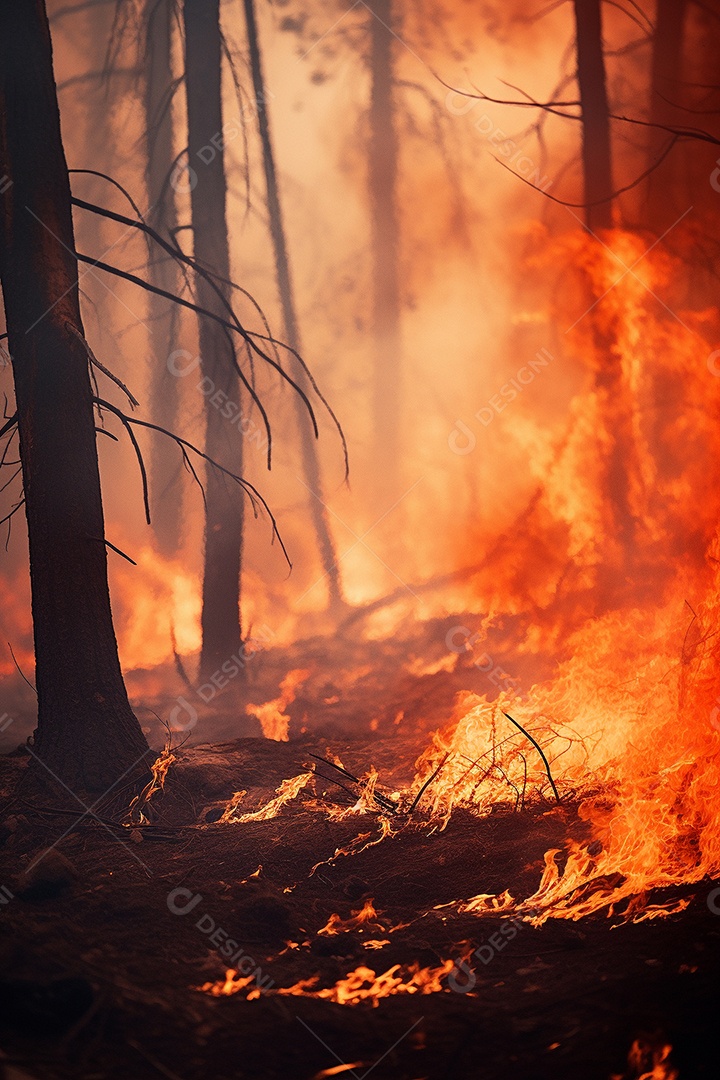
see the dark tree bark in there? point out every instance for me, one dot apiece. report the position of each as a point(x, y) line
point(165, 466)
point(383, 175)
point(86, 733)
point(614, 398)
point(221, 626)
point(596, 157)
point(666, 100)
point(311, 464)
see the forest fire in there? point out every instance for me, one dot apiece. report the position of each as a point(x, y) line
point(360, 985)
point(361, 584)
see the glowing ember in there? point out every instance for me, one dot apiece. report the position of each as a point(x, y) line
point(648, 1060)
point(367, 916)
point(359, 985)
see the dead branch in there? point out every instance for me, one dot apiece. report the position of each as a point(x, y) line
point(20, 670)
point(539, 749)
point(12, 512)
point(101, 367)
point(9, 425)
point(387, 804)
point(398, 594)
point(427, 784)
point(112, 547)
point(251, 491)
point(249, 338)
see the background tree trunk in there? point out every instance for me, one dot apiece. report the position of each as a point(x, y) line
point(597, 167)
point(221, 625)
point(165, 466)
point(311, 464)
point(86, 733)
point(614, 399)
point(383, 173)
point(663, 192)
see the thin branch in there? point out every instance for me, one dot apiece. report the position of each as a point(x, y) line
point(383, 800)
point(125, 420)
point(112, 547)
point(101, 367)
point(12, 512)
point(20, 670)
point(427, 784)
point(539, 749)
point(250, 338)
point(9, 425)
point(252, 492)
point(595, 202)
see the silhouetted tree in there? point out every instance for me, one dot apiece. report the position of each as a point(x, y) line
point(86, 733)
point(596, 157)
point(291, 330)
point(221, 614)
point(383, 178)
point(158, 90)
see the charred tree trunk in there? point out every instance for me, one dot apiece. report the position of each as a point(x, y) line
point(221, 627)
point(666, 100)
point(597, 167)
point(614, 399)
point(383, 174)
point(311, 464)
point(86, 734)
point(165, 468)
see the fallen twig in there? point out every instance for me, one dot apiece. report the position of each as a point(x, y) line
point(539, 749)
point(387, 804)
point(427, 784)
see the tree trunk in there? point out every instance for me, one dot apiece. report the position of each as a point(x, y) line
point(597, 168)
point(666, 101)
point(221, 627)
point(165, 465)
point(383, 172)
point(86, 734)
point(311, 464)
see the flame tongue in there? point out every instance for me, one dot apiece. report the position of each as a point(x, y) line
point(359, 985)
point(274, 721)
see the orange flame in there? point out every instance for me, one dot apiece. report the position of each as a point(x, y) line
point(289, 789)
point(359, 985)
point(274, 722)
point(367, 915)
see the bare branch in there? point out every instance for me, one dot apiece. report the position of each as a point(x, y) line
point(251, 491)
point(101, 367)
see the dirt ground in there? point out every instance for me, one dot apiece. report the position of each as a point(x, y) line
point(102, 956)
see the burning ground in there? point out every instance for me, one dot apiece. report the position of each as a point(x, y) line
point(459, 815)
point(261, 912)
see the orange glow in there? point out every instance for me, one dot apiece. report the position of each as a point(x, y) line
point(358, 986)
point(159, 770)
point(289, 789)
point(275, 723)
point(628, 721)
point(366, 916)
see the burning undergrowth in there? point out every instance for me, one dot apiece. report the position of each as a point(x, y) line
point(615, 635)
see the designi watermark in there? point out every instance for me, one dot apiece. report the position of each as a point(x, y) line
point(184, 715)
point(460, 639)
point(463, 978)
point(182, 901)
point(182, 363)
point(184, 177)
point(504, 146)
point(462, 439)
